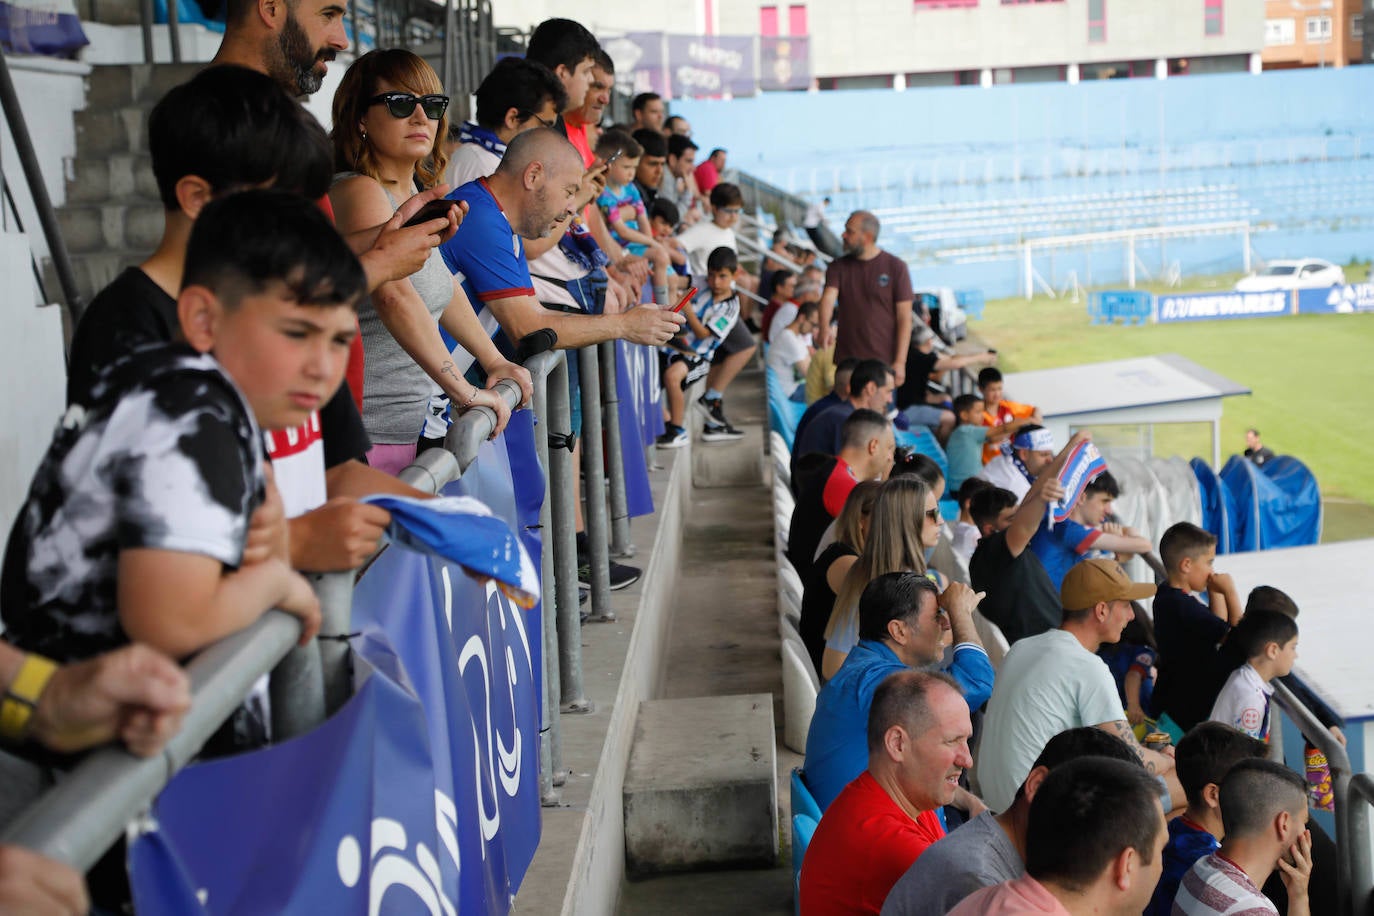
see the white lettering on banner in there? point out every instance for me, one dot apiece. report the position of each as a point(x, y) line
point(1357, 297)
point(1222, 305)
point(391, 870)
point(715, 57)
point(694, 77)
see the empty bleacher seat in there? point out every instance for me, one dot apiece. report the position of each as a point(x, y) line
point(803, 828)
point(800, 685)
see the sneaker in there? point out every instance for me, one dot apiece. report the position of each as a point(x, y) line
point(673, 437)
point(621, 576)
point(726, 433)
point(713, 410)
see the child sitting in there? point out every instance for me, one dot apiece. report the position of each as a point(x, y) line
point(137, 520)
point(789, 355)
point(1203, 758)
point(1187, 629)
point(1269, 641)
point(663, 221)
point(964, 448)
point(710, 317)
point(966, 534)
point(623, 207)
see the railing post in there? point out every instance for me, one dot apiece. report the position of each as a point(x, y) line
point(173, 31)
point(615, 458)
point(296, 687)
point(335, 591)
point(563, 490)
point(551, 734)
point(594, 485)
point(1355, 846)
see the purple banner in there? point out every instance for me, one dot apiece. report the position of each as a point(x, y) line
point(680, 66)
point(784, 63)
point(711, 65)
point(639, 58)
point(34, 27)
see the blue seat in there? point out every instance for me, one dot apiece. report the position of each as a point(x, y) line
point(802, 800)
point(803, 828)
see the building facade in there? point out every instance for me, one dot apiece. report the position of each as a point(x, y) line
point(1313, 33)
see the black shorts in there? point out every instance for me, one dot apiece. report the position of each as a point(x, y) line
point(738, 340)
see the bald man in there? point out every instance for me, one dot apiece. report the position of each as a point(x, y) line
point(872, 290)
point(532, 192)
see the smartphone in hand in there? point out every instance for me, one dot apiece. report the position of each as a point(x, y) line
point(691, 294)
point(435, 209)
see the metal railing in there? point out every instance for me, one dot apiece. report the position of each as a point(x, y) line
point(76, 821)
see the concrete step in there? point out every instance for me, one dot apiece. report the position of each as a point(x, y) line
point(102, 131)
point(116, 178)
point(117, 85)
point(100, 228)
point(729, 464)
point(701, 789)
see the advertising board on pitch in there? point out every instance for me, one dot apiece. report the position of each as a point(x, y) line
point(1214, 306)
point(1357, 297)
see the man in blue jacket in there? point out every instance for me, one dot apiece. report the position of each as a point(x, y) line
point(903, 623)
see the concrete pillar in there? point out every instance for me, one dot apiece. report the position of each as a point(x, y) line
point(985, 78)
point(899, 82)
point(1162, 69)
point(1255, 65)
point(1071, 74)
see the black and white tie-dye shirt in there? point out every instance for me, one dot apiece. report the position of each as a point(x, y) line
point(166, 456)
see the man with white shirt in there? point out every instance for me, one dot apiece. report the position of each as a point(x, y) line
point(789, 354)
point(1032, 450)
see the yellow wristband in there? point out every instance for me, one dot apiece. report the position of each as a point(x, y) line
point(21, 697)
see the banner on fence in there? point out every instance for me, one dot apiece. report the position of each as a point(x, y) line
point(1213, 306)
point(784, 63)
point(1357, 297)
point(1085, 464)
point(681, 66)
point(420, 795)
point(41, 27)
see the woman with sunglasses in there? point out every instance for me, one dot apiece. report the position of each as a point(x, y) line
point(390, 123)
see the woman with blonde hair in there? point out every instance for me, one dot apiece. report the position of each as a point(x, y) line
point(390, 124)
point(832, 564)
point(904, 521)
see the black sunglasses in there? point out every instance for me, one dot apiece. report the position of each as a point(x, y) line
point(402, 104)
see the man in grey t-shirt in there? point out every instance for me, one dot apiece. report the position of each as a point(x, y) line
point(991, 848)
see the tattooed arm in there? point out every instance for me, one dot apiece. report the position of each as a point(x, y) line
point(1159, 765)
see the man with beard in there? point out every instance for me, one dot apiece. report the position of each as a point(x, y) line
point(873, 290)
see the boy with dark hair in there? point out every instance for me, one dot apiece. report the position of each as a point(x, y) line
point(1004, 417)
point(569, 50)
point(966, 533)
point(1203, 758)
point(1187, 630)
point(137, 521)
point(1264, 817)
point(1086, 532)
point(710, 319)
point(964, 448)
point(517, 95)
point(649, 173)
point(1269, 641)
point(991, 509)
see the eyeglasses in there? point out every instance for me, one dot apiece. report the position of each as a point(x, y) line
point(531, 114)
point(402, 104)
point(933, 514)
point(732, 211)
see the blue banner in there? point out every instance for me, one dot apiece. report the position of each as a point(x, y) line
point(33, 27)
point(632, 445)
point(1084, 465)
point(1358, 297)
point(1213, 306)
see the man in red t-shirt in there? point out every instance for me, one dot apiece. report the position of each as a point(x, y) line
point(873, 290)
point(918, 734)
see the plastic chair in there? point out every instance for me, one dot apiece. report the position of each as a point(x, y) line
point(803, 828)
point(803, 802)
point(799, 690)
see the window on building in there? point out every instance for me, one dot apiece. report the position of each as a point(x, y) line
point(796, 20)
point(1279, 32)
point(1318, 29)
point(1212, 22)
point(1357, 26)
point(1097, 20)
point(943, 4)
point(768, 21)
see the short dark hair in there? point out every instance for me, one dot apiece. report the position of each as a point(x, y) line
point(1085, 741)
point(1258, 629)
point(722, 258)
point(519, 83)
point(653, 142)
point(678, 144)
point(809, 309)
point(561, 43)
point(964, 401)
point(242, 243)
point(639, 102)
point(848, 364)
point(861, 426)
point(1208, 752)
point(985, 507)
point(618, 141)
point(989, 374)
point(1254, 792)
point(603, 60)
point(670, 120)
point(1103, 483)
point(1085, 813)
point(970, 488)
point(1184, 540)
point(236, 128)
point(892, 596)
point(726, 194)
point(716, 150)
point(666, 210)
point(911, 463)
point(903, 698)
point(868, 371)
point(1268, 598)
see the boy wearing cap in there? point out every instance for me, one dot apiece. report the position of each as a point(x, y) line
point(1055, 681)
point(1032, 450)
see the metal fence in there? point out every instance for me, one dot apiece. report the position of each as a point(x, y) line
point(80, 818)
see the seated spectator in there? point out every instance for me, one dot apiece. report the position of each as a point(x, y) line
point(918, 733)
point(1188, 630)
point(516, 96)
point(964, 447)
point(865, 455)
point(1054, 681)
point(709, 321)
point(790, 353)
point(1093, 845)
point(966, 534)
point(648, 111)
point(679, 181)
point(1021, 599)
point(1132, 661)
point(1032, 449)
point(903, 623)
point(1269, 641)
point(1005, 417)
point(649, 172)
point(380, 158)
point(870, 387)
point(624, 209)
point(1204, 757)
point(782, 294)
point(135, 530)
point(1264, 820)
point(836, 393)
point(831, 565)
point(229, 128)
point(910, 463)
point(1255, 449)
point(727, 203)
point(991, 848)
point(923, 364)
point(663, 220)
point(676, 126)
point(902, 523)
point(709, 172)
point(1086, 532)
